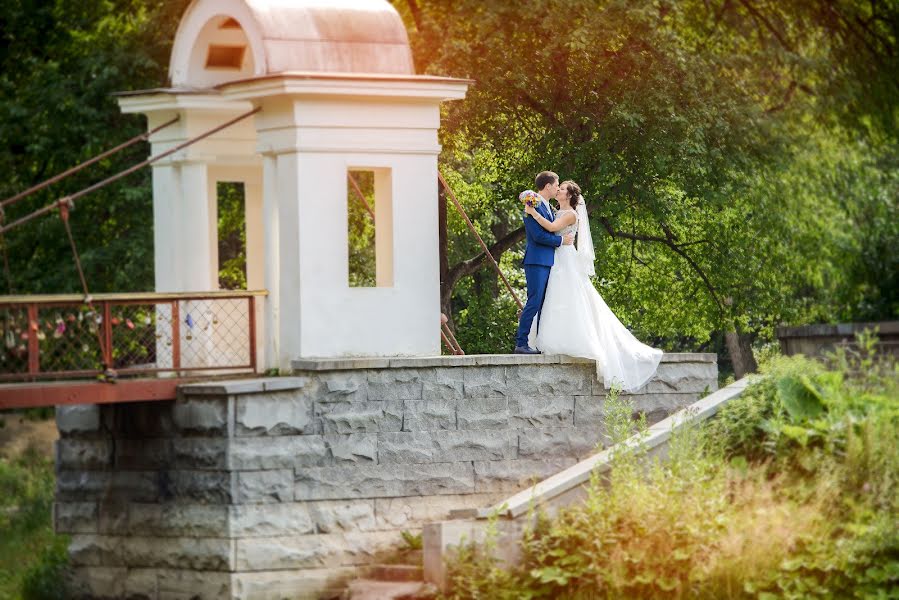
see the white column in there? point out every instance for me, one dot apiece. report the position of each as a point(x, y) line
point(255, 235)
point(197, 261)
point(212, 224)
point(197, 231)
point(272, 268)
point(166, 205)
point(256, 252)
point(288, 250)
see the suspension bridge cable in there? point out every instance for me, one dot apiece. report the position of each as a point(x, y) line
point(86, 163)
point(361, 196)
point(104, 360)
point(64, 215)
point(70, 200)
point(477, 235)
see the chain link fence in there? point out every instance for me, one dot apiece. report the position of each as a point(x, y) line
point(129, 334)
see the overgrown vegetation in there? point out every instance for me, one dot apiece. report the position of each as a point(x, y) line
point(32, 556)
point(792, 491)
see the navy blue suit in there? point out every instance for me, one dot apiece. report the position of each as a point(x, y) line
point(539, 255)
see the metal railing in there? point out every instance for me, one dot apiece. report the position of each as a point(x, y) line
point(54, 337)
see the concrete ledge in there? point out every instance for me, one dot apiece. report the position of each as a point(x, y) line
point(343, 364)
point(244, 386)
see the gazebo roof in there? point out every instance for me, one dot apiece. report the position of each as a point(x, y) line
point(225, 40)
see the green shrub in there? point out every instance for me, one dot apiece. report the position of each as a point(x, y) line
point(413, 541)
point(32, 556)
point(487, 324)
point(790, 492)
point(46, 578)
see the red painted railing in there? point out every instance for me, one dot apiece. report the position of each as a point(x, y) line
point(56, 337)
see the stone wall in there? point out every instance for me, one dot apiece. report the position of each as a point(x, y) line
point(282, 487)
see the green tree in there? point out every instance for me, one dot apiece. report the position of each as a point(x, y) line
point(60, 63)
point(684, 122)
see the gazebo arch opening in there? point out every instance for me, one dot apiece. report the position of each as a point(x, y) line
point(221, 53)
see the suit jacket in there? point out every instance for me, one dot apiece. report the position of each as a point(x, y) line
point(540, 248)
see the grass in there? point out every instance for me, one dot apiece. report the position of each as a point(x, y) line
point(32, 556)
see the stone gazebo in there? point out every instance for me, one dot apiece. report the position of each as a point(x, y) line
point(286, 487)
point(336, 92)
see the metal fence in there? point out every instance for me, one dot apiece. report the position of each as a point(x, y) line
point(46, 337)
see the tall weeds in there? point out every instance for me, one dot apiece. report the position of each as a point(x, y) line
point(790, 492)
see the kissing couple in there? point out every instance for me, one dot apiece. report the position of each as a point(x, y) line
point(564, 313)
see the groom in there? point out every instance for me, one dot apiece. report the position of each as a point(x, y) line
point(539, 254)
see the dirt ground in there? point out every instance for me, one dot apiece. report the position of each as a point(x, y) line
point(18, 433)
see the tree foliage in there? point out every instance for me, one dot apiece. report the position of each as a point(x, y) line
point(738, 156)
point(61, 62)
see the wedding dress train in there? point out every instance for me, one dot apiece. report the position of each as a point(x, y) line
point(576, 321)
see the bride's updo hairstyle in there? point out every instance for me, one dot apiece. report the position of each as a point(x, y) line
point(573, 190)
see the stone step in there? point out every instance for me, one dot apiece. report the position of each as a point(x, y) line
point(369, 589)
point(395, 572)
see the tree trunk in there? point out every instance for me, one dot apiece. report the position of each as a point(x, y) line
point(739, 346)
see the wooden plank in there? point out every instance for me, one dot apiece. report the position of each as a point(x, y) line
point(28, 395)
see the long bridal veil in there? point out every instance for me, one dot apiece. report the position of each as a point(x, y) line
point(585, 253)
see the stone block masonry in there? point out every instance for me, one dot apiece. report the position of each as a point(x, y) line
point(282, 487)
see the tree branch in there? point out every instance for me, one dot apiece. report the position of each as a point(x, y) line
point(537, 107)
point(467, 267)
point(791, 90)
point(670, 243)
point(415, 10)
point(768, 25)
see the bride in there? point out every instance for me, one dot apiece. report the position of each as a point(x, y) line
point(574, 319)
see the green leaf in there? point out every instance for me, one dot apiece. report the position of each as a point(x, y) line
point(800, 398)
point(550, 575)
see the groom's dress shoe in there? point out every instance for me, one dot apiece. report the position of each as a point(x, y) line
point(525, 350)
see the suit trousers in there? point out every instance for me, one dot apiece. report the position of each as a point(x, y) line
point(537, 276)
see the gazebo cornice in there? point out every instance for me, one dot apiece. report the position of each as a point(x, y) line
point(178, 99)
point(407, 87)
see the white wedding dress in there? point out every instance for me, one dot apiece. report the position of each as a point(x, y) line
point(576, 321)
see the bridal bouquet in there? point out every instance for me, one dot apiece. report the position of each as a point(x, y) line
point(530, 198)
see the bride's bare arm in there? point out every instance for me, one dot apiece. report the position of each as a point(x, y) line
point(563, 220)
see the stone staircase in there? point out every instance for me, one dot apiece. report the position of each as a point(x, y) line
point(392, 581)
point(370, 589)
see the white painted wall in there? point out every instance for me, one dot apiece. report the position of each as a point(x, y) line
point(312, 136)
point(293, 158)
